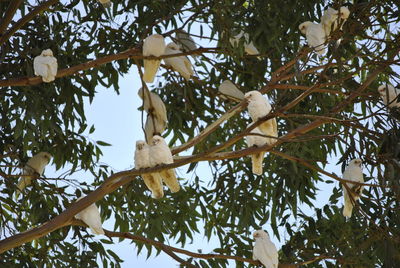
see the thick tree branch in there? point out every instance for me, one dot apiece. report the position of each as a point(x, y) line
point(134, 53)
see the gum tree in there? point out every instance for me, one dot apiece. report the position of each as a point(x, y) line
point(326, 108)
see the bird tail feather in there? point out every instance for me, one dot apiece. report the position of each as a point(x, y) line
point(348, 206)
point(154, 184)
point(150, 70)
point(170, 180)
point(23, 182)
point(257, 163)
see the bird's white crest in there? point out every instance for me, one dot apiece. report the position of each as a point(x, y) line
point(181, 64)
point(389, 95)
point(45, 65)
point(264, 250)
point(153, 45)
point(91, 216)
point(353, 172)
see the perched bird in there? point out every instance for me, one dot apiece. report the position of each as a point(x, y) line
point(153, 45)
point(353, 172)
point(315, 35)
point(34, 167)
point(332, 17)
point(185, 41)
point(91, 216)
point(258, 158)
point(161, 154)
point(153, 181)
point(181, 64)
point(153, 127)
point(249, 47)
point(258, 107)
point(390, 95)
point(105, 3)
point(229, 90)
point(264, 250)
point(45, 65)
point(153, 104)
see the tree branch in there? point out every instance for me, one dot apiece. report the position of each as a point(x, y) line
point(26, 19)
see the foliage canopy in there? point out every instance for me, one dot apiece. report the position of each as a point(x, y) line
point(326, 108)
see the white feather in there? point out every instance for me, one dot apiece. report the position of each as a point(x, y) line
point(161, 154)
point(353, 172)
point(185, 41)
point(258, 107)
point(315, 35)
point(91, 216)
point(228, 89)
point(258, 158)
point(249, 47)
point(181, 64)
point(153, 45)
point(264, 250)
point(45, 65)
point(35, 165)
point(153, 181)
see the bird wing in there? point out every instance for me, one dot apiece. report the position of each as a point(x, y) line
point(316, 37)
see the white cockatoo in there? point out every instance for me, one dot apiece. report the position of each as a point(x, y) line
point(353, 172)
point(228, 90)
point(105, 3)
point(181, 64)
point(153, 45)
point(91, 216)
point(264, 250)
point(258, 158)
point(153, 181)
point(185, 41)
point(153, 127)
point(258, 107)
point(249, 47)
point(45, 65)
point(153, 104)
point(34, 167)
point(315, 35)
point(332, 17)
point(390, 95)
point(161, 154)
point(156, 121)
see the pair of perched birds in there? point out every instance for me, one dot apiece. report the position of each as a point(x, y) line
point(318, 33)
point(157, 153)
